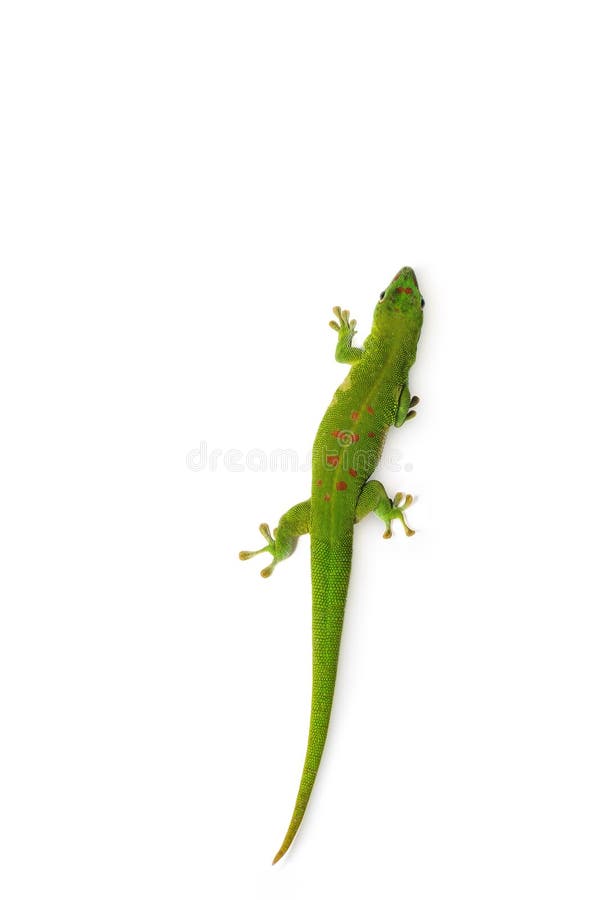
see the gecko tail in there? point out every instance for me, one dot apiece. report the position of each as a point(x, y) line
point(331, 567)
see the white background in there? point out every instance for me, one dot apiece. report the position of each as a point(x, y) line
point(187, 190)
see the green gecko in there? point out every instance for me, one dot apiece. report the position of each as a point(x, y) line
point(348, 445)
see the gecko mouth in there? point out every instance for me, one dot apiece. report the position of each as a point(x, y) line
point(408, 272)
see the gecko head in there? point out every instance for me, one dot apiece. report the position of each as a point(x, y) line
point(399, 310)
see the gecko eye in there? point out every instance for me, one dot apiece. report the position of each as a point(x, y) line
point(423, 302)
point(382, 295)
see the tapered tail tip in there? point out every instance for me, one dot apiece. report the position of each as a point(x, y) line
point(278, 856)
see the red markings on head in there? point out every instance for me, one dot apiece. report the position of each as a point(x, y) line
point(408, 290)
point(371, 434)
point(332, 460)
point(370, 410)
point(341, 485)
point(353, 473)
point(354, 416)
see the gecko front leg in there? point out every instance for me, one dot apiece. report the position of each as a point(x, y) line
point(345, 352)
point(405, 406)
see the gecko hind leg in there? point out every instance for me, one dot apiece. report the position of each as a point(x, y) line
point(373, 498)
point(282, 541)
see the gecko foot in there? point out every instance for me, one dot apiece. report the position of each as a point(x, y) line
point(345, 324)
point(270, 547)
point(412, 412)
point(281, 542)
point(400, 503)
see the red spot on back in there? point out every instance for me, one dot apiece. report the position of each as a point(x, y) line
point(332, 460)
point(354, 416)
point(319, 482)
point(341, 485)
point(371, 434)
point(326, 496)
point(345, 437)
point(370, 410)
point(353, 473)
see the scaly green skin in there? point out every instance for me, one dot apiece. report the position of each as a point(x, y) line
point(348, 445)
